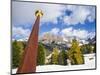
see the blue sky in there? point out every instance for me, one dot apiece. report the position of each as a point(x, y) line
point(64, 20)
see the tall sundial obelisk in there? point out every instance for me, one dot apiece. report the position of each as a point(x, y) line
point(29, 61)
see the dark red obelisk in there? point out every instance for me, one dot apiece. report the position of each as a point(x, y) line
point(29, 61)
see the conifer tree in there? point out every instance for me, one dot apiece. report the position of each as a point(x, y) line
point(63, 58)
point(41, 55)
point(75, 54)
point(16, 57)
point(55, 54)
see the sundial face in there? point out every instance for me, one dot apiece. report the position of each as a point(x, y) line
point(39, 13)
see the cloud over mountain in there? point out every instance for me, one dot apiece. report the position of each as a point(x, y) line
point(56, 16)
point(79, 14)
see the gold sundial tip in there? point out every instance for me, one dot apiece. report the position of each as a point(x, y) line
point(39, 13)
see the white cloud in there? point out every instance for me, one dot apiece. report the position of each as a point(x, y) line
point(20, 33)
point(55, 31)
point(68, 34)
point(78, 33)
point(79, 14)
point(23, 12)
point(52, 33)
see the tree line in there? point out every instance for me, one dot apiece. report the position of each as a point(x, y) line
point(59, 57)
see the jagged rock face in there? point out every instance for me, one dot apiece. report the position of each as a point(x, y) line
point(48, 38)
point(92, 41)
